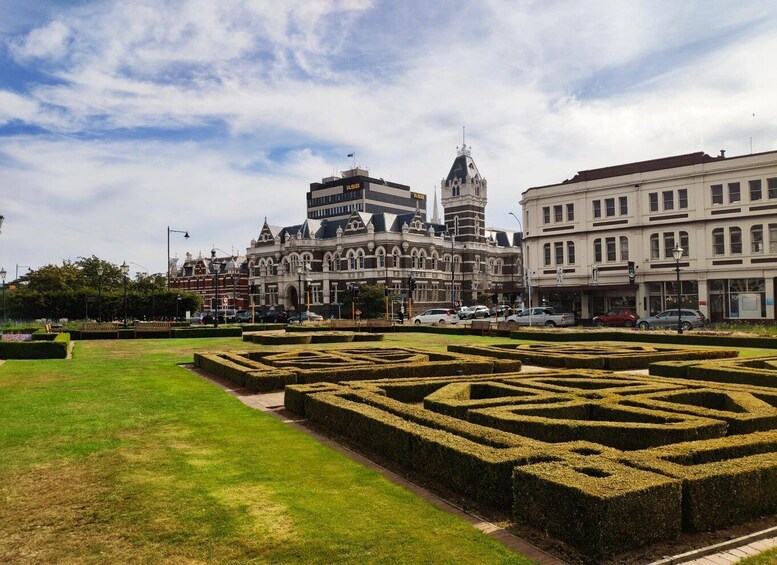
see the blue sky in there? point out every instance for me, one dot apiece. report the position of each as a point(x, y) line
point(118, 119)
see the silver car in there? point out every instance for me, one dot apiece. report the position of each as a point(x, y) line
point(668, 319)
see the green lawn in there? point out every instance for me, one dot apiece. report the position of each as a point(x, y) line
point(119, 455)
point(768, 557)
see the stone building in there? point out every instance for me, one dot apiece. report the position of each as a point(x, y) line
point(363, 230)
point(605, 238)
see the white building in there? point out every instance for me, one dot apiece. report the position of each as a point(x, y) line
point(584, 235)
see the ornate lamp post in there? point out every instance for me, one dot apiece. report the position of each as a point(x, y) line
point(177, 305)
point(100, 272)
point(124, 271)
point(677, 253)
point(185, 236)
point(3, 274)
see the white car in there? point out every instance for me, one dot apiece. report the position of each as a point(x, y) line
point(436, 316)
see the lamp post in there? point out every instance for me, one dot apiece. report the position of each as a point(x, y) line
point(299, 291)
point(677, 253)
point(3, 273)
point(145, 275)
point(100, 272)
point(177, 305)
point(185, 236)
point(124, 271)
point(234, 282)
point(215, 269)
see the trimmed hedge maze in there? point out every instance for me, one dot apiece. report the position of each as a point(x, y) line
point(590, 356)
point(270, 370)
point(607, 462)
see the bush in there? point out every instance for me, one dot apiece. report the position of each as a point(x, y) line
point(54, 349)
point(600, 506)
point(233, 331)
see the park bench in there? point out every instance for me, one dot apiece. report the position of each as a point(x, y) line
point(99, 328)
point(483, 327)
point(153, 327)
point(344, 323)
point(378, 323)
point(507, 326)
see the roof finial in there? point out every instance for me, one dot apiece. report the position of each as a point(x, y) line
point(464, 136)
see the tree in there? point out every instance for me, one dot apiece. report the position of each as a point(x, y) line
point(370, 300)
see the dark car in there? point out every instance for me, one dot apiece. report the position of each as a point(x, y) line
point(275, 316)
point(617, 317)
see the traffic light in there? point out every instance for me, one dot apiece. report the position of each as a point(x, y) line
point(411, 284)
point(385, 291)
point(356, 292)
point(494, 298)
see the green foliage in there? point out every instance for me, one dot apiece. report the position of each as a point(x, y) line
point(371, 301)
point(37, 349)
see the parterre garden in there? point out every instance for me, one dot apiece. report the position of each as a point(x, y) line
point(605, 461)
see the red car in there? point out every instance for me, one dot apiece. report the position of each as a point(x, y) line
point(617, 317)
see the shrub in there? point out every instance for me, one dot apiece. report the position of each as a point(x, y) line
point(54, 349)
point(233, 331)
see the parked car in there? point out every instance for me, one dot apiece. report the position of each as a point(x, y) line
point(196, 318)
point(472, 312)
point(275, 316)
point(244, 316)
point(207, 317)
point(668, 319)
point(541, 317)
point(617, 317)
point(305, 317)
point(436, 316)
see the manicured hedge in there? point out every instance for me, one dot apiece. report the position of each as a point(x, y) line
point(604, 500)
point(600, 506)
point(55, 349)
point(230, 331)
point(42, 335)
point(759, 371)
point(647, 337)
point(590, 356)
point(725, 481)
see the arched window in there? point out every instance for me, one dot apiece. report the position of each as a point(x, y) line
point(329, 262)
point(655, 246)
point(397, 256)
point(360, 259)
point(414, 259)
point(456, 264)
point(433, 261)
point(718, 242)
point(422, 259)
point(337, 262)
point(381, 258)
point(570, 252)
point(757, 239)
point(624, 245)
point(351, 260)
point(735, 238)
point(446, 260)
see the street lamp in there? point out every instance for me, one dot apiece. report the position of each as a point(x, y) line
point(177, 304)
point(3, 273)
point(124, 271)
point(215, 269)
point(677, 253)
point(100, 272)
point(299, 290)
point(185, 236)
point(146, 276)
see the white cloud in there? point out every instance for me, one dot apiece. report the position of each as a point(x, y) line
point(544, 89)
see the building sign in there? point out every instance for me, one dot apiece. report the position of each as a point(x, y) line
point(353, 186)
point(595, 275)
point(418, 196)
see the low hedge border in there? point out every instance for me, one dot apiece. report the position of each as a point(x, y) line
point(647, 337)
point(39, 349)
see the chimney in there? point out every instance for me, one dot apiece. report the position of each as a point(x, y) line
point(722, 153)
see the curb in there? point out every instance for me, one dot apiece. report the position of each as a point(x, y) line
point(718, 547)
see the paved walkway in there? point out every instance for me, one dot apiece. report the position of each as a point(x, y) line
point(727, 552)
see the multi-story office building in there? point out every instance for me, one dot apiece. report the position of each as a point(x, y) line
point(355, 191)
point(604, 238)
point(360, 230)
